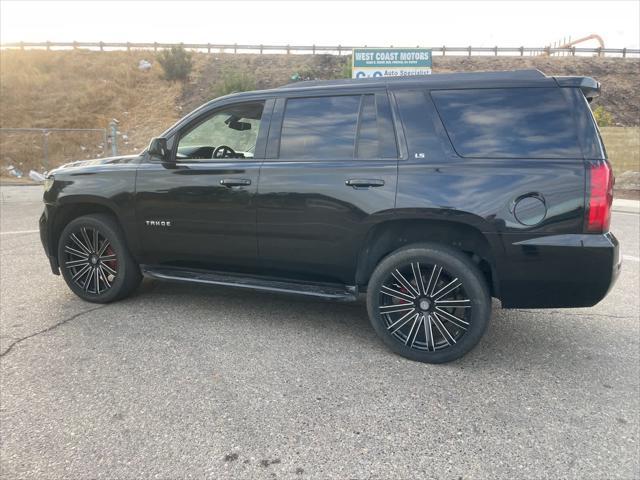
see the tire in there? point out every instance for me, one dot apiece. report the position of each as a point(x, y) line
point(411, 322)
point(99, 274)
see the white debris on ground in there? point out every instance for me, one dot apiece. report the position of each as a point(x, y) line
point(36, 176)
point(14, 172)
point(144, 65)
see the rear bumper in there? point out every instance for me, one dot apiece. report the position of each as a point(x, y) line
point(45, 224)
point(559, 271)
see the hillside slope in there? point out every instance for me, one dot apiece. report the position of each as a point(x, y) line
point(79, 89)
point(85, 89)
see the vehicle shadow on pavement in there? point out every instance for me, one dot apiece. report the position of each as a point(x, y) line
point(517, 340)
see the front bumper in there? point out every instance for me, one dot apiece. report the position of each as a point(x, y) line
point(46, 226)
point(559, 271)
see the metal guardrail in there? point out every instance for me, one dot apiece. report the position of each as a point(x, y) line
point(318, 49)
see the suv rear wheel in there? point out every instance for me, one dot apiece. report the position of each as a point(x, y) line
point(429, 303)
point(95, 261)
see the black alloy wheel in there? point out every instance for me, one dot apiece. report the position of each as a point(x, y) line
point(94, 259)
point(429, 303)
point(91, 260)
point(424, 306)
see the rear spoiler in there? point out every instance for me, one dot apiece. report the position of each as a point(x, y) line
point(590, 87)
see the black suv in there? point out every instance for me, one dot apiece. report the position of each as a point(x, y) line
point(429, 194)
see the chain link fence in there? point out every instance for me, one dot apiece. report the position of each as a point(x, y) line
point(42, 149)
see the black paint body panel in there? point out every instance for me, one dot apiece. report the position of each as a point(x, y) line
point(211, 224)
point(311, 224)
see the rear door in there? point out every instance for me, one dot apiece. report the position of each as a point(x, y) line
point(330, 173)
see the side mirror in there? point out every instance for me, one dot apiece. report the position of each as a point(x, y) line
point(158, 149)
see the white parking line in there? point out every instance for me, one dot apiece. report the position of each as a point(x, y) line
point(19, 232)
point(631, 258)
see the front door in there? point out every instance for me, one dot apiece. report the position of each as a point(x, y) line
point(198, 209)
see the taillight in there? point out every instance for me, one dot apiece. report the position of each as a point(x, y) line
point(599, 198)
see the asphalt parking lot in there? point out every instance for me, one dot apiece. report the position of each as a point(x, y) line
point(187, 382)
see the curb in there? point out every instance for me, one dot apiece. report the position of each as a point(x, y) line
point(19, 184)
point(626, 206)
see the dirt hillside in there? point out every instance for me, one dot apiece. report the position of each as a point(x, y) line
point(77, 89)
point(84, 89)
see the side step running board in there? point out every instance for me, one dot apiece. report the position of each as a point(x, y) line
point(321, 290)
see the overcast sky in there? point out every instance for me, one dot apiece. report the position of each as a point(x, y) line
point(481, 23)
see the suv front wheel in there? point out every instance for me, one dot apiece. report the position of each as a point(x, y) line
point(429, 303)
point(95, 261)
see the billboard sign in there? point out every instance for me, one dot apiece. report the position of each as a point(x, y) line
point(390, 62)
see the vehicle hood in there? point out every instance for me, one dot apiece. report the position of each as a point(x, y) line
point(98, 162)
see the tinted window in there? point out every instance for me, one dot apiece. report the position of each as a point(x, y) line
point(508, 123)
point(388, 147)
point(376, 134)
point(320, 128)
point(368, 129)
point(425, 135)
point(588, 133)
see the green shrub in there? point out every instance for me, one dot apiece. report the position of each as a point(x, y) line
point(347, 69)
point(603, 118)
point(233, 82)
point(176, 63)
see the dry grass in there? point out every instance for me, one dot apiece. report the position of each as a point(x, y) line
point(623, 148)
point(79, 89)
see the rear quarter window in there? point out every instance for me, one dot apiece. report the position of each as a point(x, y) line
point(508, 123)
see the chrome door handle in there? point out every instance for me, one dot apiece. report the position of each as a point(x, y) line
point(364, 182)
point(235, 182)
